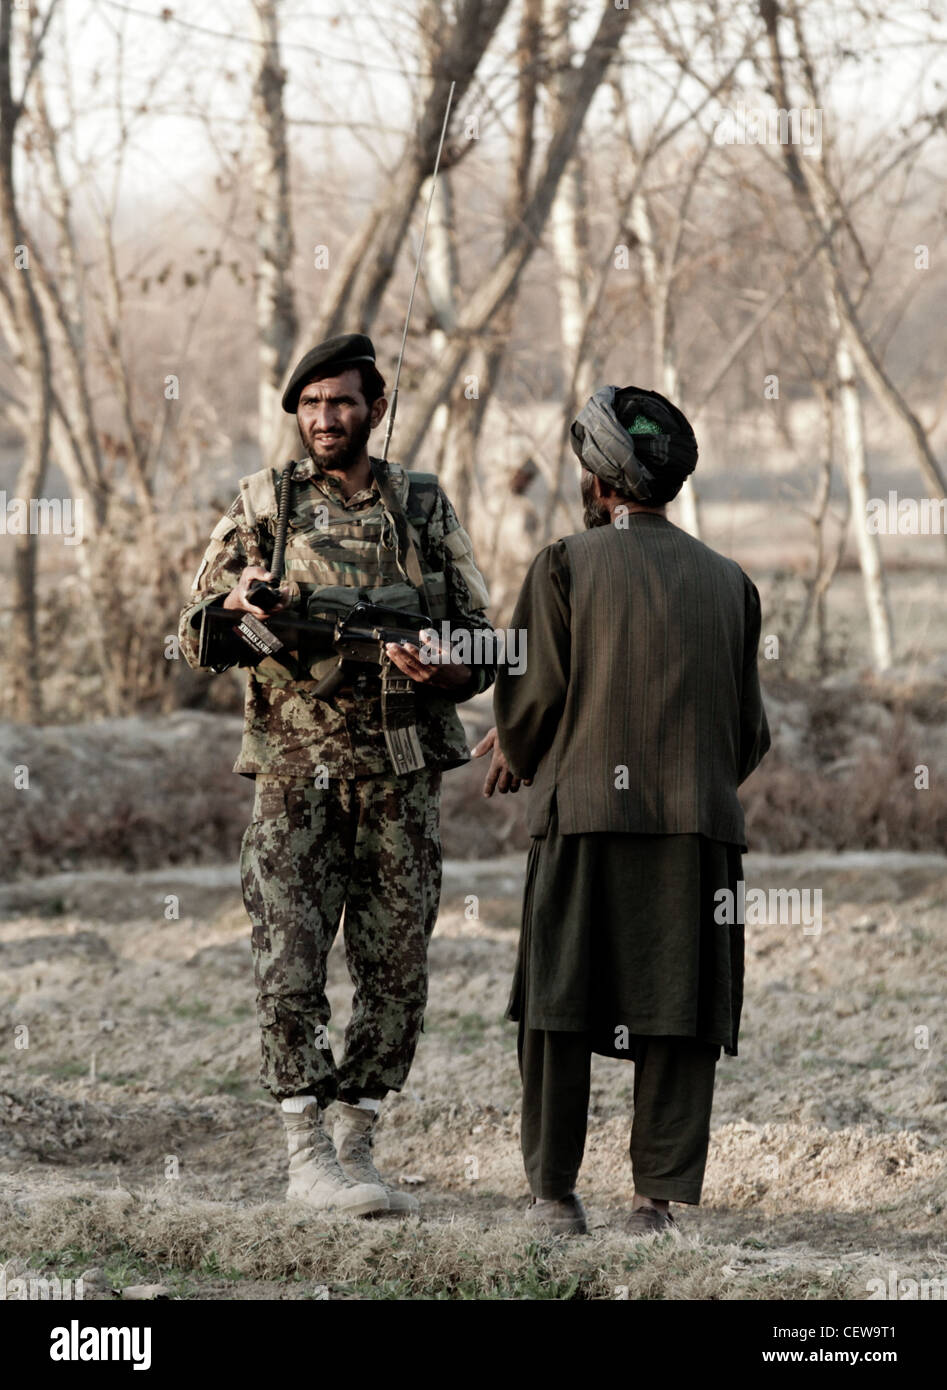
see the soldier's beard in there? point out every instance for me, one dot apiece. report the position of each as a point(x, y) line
point(594, 510)
point(345, 457)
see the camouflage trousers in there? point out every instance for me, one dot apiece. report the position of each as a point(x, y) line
point(371, 847)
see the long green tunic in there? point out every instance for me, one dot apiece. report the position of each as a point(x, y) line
point(618, 938)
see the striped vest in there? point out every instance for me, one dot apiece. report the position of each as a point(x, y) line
point(650, 738)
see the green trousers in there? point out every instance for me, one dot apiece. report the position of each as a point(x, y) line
point(670, 1133)
point(371, 847)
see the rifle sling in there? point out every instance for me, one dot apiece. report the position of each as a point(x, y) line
point(408, 557)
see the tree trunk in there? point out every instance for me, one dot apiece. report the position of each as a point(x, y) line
point(34, 366)
point(63, 295)
point(869, 547)
point(658, 281)
point(466, 415)
point(442, 280)
point(275, 305)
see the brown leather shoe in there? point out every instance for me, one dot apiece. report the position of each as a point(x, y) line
point(564, 1216)
point(646, 1221)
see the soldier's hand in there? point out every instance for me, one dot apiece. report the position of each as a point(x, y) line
point(499, 777)
point(237, 598)
point(443, 675)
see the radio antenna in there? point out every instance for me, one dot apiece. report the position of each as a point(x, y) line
point(393, 407)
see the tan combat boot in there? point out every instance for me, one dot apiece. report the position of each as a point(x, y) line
point(315, 1176)
point(354, 1135)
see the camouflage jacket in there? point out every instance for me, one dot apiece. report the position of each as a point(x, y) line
point(287, 730)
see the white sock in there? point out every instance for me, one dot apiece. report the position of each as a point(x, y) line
point(295, 1105)
point(366, 1103)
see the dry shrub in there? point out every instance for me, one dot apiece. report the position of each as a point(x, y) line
point(148, 791)
point(844, 789)
point(133, 792)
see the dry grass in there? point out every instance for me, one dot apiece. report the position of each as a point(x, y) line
point(827, 1161)
point(459, 1259)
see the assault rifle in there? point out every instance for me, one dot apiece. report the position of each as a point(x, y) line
point(229, 637)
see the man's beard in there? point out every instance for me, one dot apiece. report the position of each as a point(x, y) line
point(594, 511)
point(346, 457)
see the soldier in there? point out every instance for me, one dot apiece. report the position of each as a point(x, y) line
point(334, 827)
point(636, 720)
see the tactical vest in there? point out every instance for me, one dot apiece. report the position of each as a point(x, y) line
point(331, 548)
point(337, 556)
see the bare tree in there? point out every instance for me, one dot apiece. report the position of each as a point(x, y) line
point(568, 222)
point(496, 288)
point(465, 418)
point(848, 333)
point(826, 558)
point(625, 230)
point(30, 342)
point(660, 268)
point(356, 290)
point(277, 325)
point(817, 197)
point(455, 51)
point(442, 279)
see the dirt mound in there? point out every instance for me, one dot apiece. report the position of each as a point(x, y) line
point(29, 950)
point(38, 1123)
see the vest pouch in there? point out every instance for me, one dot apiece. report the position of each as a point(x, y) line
point(401, 596)
point(334, 601)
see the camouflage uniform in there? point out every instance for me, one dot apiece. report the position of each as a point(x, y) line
point(333, 826)
point(287, 732)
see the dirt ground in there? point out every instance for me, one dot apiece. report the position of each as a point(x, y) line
point(135, 1139)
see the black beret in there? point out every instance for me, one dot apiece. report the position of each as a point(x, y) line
point(327, 359)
